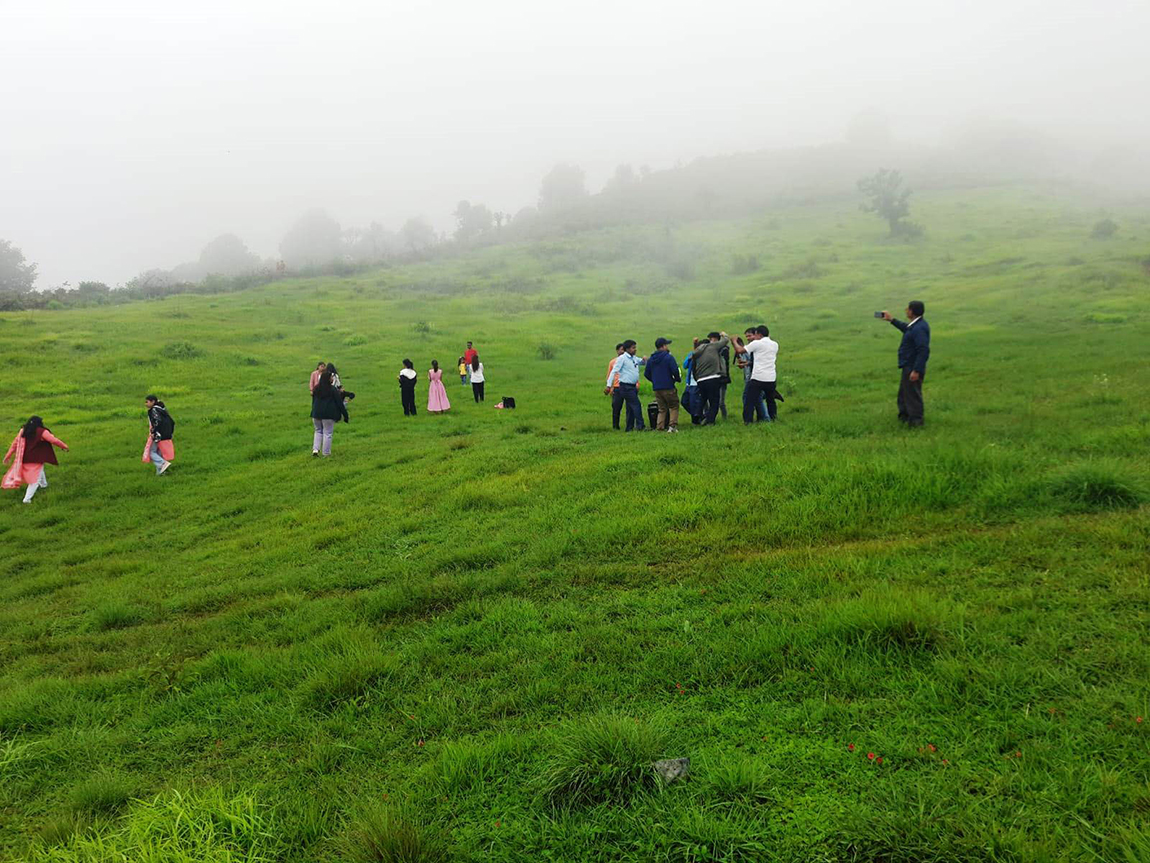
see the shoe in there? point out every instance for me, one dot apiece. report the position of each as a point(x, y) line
point(315, 452)
point(163, 468)
point(672, 431)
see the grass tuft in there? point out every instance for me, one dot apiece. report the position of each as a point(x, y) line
point(1094, 486)
point(115, 615)
point(379, 834)
point(103, 794)
point(603, 759)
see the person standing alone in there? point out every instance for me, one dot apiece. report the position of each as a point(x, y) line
point(913, 352)
point(31, 449)
point(477, 378)
point(407, 379)
point(326, 408)
point(437, 402)
point(663, 373)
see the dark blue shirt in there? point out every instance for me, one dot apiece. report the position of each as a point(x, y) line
point(914, 349)
point(662, 370)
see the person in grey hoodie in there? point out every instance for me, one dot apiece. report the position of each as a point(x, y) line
point(709, 371)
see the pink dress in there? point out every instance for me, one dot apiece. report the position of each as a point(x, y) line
point(436, 394)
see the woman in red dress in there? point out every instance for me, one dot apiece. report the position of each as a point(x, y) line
point(32, 448)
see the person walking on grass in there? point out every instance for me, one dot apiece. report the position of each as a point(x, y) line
point(763, 351)
point(407, 379)
point(624, 374)
point(663, 373)
point(319, 367)
point(437, 402)
point(477, 379)
point(326, 408)
point(468, 356)
point(463, 371)
point(913, 352)
point(709, 371)
point(31, 449)
point(158, 448)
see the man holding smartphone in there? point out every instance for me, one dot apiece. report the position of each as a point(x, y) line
point(913, 352)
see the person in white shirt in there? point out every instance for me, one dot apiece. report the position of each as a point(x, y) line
point(764, 350)
point(477, 379)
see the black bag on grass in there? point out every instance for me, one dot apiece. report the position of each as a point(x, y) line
point(653, 413)
point(508, 402)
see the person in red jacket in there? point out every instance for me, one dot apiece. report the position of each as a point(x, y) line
point(32, 448)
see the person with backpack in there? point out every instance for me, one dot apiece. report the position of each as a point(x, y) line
point(326, 409)
point(663, 373)
point(158, 448)
point(477, 379)
point(31, 449)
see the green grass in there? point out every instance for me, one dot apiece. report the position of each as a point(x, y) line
point(465, 637)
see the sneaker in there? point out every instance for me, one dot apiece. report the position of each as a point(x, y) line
point(672, 431)
point(315, 452)
point(163, 468)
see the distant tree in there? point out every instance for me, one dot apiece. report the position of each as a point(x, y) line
point(888, 200)
point(623, 178)
point(1104, 229)
point(471, 221)
point(500, 216)
point(564, 186)
point(417, 234)
point(15, 276)
point(227, 255)
point(313, 240)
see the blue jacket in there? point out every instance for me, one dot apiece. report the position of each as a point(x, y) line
point(662, 370)
point(914, 349)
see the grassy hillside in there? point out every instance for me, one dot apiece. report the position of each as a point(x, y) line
point(466, 637)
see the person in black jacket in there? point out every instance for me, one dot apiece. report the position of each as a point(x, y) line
point(407, 379)
point(913, 352)
point(326, 409)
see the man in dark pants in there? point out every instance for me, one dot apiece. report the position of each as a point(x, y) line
point(616, 396)
point(709, 370)
point(913, 352)
point(625, 375)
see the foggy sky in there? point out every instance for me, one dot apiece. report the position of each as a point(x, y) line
point(131, 133)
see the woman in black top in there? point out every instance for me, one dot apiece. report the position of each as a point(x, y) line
point(326, 408)
point(407, 379)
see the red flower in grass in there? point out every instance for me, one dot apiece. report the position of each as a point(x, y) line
point(878, 760)
point(420, 742)
point(850, 746)
point(930, 746)
point(1017, 754)
point(1138, 719)
point(870, 755)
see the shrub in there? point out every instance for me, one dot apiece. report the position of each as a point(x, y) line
point(182, 351)
point(421, 327)
point(354, 340)
point(743, 264)
point(1104, 229)
point(607, 758)
point(1096, 486)
point(546, 351)
point(381, 835)
point(54, 305)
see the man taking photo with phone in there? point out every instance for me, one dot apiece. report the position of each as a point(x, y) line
point(913, 352)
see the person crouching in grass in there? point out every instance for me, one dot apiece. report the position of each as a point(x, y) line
point(31, 449)
point(159, 449)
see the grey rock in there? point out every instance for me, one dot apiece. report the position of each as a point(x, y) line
point(673, 769)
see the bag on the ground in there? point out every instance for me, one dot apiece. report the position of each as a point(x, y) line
point(508, 402)
point(653, 413)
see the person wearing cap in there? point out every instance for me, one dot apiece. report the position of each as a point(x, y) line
point(710, 370)
point(625, 375)
point(663, 373)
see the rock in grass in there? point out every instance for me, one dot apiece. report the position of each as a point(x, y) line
point(673, 769)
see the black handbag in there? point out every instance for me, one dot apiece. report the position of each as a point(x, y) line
point(508, 402)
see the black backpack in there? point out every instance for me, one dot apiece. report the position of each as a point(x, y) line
point(167, 426)
point(508, 402)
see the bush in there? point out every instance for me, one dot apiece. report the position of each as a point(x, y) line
point(381, 835)
point(605, 758)
point(182, 351)
point(421, 327)
point(1104, 229)
point(353, 341)
point(1096, 486)
point(546, 351)
point(743, 264)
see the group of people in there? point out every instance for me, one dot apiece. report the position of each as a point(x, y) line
point(35, 446)
point(706, 374)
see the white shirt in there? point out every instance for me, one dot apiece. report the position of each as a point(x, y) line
point(476, 374)
point(764, 351)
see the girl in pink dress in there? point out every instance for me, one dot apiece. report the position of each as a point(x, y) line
point(32, 448)
point(436, 395)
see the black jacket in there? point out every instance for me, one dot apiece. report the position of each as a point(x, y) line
point(161, 422)
point(326, 405)
point(914, 349)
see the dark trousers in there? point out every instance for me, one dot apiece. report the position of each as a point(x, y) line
point(477, 391)
point(407, 396)
point(758, 391)
point(708, 393)
point(910, 398)
point(755, 400)
point(630, 394)
point(617, 405)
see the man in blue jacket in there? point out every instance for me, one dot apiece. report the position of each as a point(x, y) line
point(663, 373)
point(913, 352)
